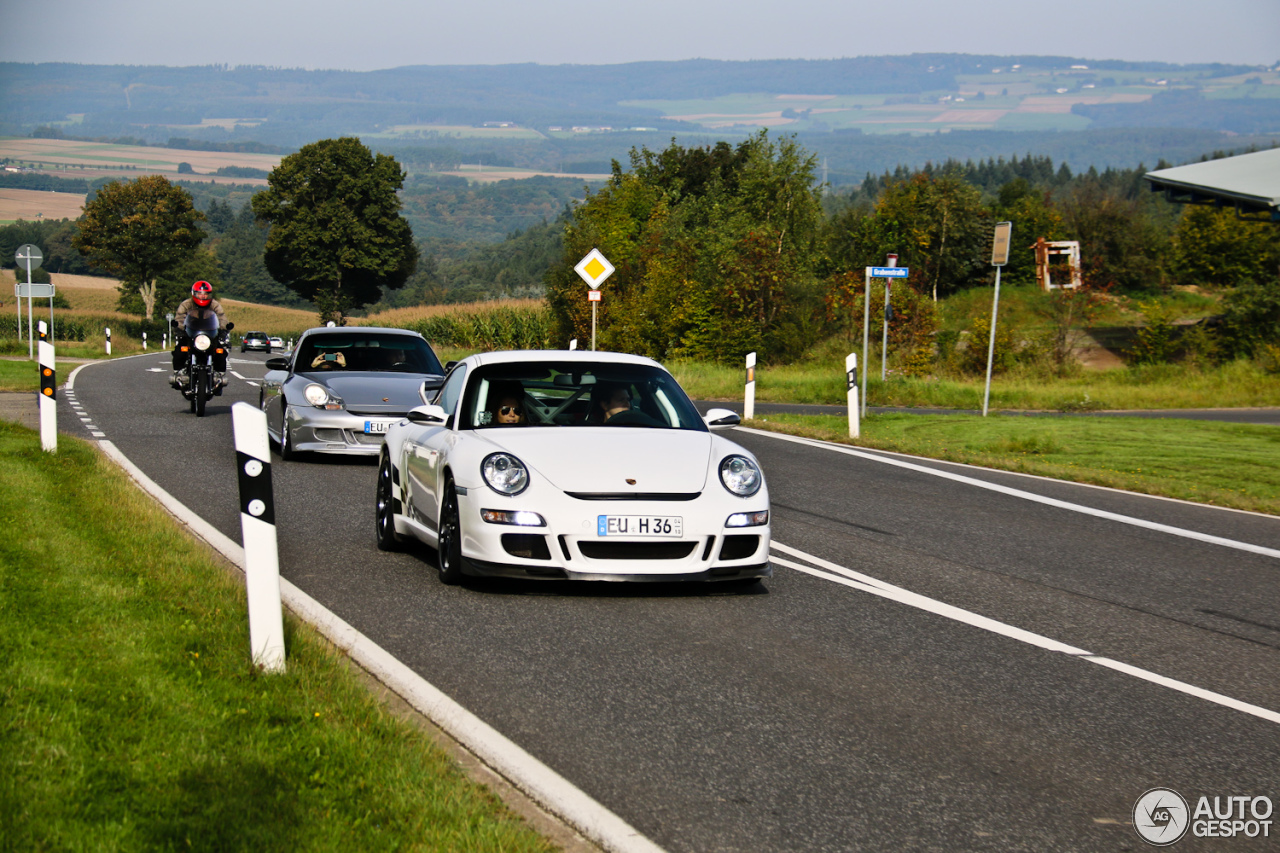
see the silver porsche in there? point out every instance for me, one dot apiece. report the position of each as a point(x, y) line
point(341, 388)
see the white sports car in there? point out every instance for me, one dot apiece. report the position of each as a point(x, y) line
point(578, 465)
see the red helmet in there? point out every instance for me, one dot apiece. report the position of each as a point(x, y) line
point(202, 293)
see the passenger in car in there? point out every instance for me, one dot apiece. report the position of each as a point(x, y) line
point(509, 408)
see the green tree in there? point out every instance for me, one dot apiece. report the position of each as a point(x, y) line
point(939, 228)
point(337, 236)
point(175, 284)
point(714, 250)
point(1214, 248)
point(139, 230)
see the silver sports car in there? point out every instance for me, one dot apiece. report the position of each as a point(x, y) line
point(341, 388)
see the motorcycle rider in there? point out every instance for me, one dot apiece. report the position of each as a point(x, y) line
point(201, 304)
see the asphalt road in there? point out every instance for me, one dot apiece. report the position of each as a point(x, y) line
point(818, 711)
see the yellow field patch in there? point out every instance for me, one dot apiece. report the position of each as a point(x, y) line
point(34, 204)
point(70, 158)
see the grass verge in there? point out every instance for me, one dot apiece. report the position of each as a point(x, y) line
point(1224, 464)
point(132, 719)
point(1232, 385)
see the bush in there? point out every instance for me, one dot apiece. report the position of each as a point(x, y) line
point(1153, 343)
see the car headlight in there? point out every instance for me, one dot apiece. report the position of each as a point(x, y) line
point(203, 342)
point(321, 397)
point(740, 476)
point(504, 473)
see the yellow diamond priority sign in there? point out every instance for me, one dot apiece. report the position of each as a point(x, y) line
point(594, 269)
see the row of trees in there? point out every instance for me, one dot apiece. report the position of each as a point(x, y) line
point(335, 238)
point(724, 250)
point(719, 250)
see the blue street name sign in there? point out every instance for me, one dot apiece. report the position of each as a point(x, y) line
point(890, 272)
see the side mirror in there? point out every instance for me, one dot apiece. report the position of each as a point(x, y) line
point(427, 415)
point(721, 419)
point(230, 326)
point(278, 363)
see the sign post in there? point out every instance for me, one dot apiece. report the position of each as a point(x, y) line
point(749, 400)
point(29, 256)
point(999, 257)
point(594, 269)
point(886, 272)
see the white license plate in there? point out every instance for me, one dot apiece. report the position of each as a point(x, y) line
point(634, 526)
point(377, 427)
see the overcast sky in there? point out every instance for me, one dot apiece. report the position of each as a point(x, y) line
point(370, 34)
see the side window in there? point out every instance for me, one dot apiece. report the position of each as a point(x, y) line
point(447, 399)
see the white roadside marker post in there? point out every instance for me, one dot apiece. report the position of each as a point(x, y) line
point(108, 331)
point(48, 393)
point(258, 527)
point(851, 382)
point(573, 345)
point(749, 404)
point(144, 341)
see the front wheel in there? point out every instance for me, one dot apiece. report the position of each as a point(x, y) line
point(384, 517)
point(286, 443)
point(201, 394)
point(449, 545)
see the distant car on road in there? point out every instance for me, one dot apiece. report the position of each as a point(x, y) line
point(255, 341)
point(277, 342)
point(341, 388)
point(571, 465)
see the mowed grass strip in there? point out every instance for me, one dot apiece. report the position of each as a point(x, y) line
point(1224, 464)
point(131, 717)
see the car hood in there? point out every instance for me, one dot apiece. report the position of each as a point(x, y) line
point(363, 391)
point(603, 459)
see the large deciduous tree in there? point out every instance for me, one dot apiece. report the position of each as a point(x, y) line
point(713, 249)
point(337, 236)
point(139, 231)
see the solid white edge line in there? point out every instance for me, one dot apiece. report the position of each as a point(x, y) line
point(948, 611)
point(535, 779)
point(1029, 496)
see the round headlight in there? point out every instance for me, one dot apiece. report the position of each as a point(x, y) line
point(504, 473)
point(316, 395)
point(203, 342)
point(740, 476)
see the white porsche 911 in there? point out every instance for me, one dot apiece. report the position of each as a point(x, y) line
point(572, 465)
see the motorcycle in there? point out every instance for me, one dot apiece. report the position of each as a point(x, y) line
point(203, 348)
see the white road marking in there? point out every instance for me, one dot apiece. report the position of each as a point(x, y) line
point(863, 583)
point(236, 375)
point(1029, 496)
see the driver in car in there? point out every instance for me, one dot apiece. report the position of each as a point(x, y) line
point(328, 361)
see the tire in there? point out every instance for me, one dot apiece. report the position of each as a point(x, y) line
point(202, 394)
point(191, 389)
point(449, 543)
point(384, 509)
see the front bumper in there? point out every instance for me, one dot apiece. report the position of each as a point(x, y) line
point(314, 430)
point(570, 547)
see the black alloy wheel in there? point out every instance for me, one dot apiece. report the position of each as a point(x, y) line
point(384, 518)
point(449, 545)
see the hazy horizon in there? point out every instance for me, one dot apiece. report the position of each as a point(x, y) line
point(324, 34)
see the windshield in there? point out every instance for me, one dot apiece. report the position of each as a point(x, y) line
point(575, 394)
point(200, 320)
point(374, 351)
